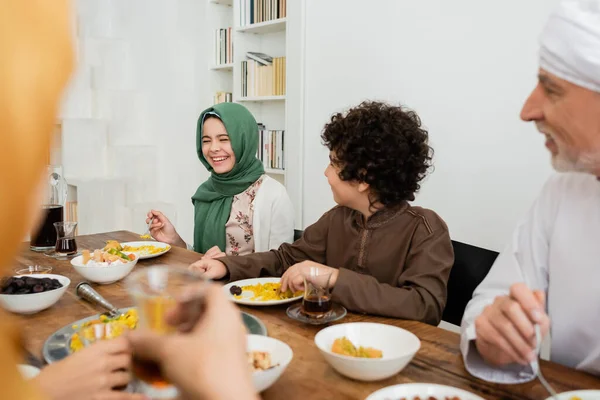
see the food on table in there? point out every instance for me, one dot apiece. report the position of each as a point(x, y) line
point(575, 398)
point(267, 292)
point(259, 360)
point(345, 347)
point(28, 285)
point(146, 236)
point(146, 250)
point(111, 254)
point(235, 290)
point(113, 244)
point(130, 318)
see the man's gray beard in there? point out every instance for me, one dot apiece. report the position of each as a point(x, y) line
point(585, 163)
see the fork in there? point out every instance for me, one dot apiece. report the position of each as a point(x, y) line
point(545, 384)
point(538, 333)
point(147, 235)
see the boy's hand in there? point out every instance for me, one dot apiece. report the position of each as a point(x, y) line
point(293, 278)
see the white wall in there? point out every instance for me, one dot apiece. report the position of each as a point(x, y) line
point(466, 67)
point(129, 116)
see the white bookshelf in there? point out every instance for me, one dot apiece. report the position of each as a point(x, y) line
point(222, 2)
point(261, 98)
point(222, 67)
point(276, 25)
point(273, 171)
point(267, 37)
point(277, 38)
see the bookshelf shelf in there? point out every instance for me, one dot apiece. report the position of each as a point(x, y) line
point(222, 67)
point(223, 2)
point(276, 25)
point(275, 171)
point(261, 98)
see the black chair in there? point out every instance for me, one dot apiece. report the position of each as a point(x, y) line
point(471, 265)
point(297, 234)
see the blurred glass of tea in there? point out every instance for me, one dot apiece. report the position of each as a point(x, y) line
point(317, 295)
point(155, 291)
point(65, 238)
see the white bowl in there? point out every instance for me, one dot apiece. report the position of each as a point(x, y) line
point(582, 394)
point(103, 275)
point(423, 391)
point(35, 302)
point(28, 371)
point(398, 346)
point(281, 355)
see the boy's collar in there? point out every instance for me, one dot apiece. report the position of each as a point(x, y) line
point(380, 217)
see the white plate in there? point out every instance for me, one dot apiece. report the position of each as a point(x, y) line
point(411, 390)
point(247, 295)
point(162, 245)
point(582, 394)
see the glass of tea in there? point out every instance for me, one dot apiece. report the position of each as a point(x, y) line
point(317, 296)
point(155, 291)
point(65, 238)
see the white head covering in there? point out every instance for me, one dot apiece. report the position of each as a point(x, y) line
point(570, 43)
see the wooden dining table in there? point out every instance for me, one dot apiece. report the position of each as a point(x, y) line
point(308, 376)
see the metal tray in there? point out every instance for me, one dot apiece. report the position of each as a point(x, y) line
point(57, 346)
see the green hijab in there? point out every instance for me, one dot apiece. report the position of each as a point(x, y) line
point(212, 201)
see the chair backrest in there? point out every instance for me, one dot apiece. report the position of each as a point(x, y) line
point(471, 265)
point(297, 234)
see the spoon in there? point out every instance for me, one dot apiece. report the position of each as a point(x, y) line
point(84, 291)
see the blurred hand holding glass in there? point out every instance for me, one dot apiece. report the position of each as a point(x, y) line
point(155, 291)
point(88, 335)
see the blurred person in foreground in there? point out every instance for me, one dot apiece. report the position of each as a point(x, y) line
point(37, 59)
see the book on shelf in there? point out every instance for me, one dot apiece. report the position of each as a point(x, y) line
point(71, 212)
point(223, 46)
point(223, 97)
point(271, 147)
point(257, 11)
point(261, 58)
point(263, 80)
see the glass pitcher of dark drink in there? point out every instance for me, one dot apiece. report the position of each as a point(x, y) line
point(317, 295)
point(55, 197)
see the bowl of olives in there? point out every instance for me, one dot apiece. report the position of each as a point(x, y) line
point(30, 294)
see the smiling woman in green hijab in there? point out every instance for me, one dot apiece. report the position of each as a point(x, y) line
point(238, 210)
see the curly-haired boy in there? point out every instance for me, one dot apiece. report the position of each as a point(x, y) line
point(385, 256)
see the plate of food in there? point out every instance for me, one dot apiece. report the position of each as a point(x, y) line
point(64, 341)
point(143, 249)
point(578, 395)
point(417, 391)
point(260, 292)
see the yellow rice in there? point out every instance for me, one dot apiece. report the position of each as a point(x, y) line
point(268, 292)
point(130, 318)
point(144, 250)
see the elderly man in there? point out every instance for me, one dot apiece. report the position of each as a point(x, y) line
point(548, 275)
